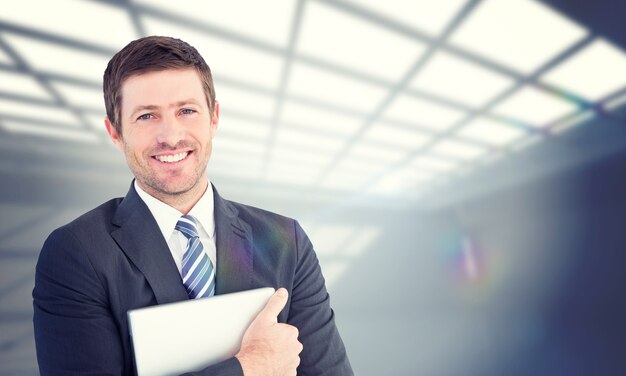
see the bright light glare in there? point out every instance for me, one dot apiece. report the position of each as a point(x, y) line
point(239, 16)
point(423, 113)
point(595, 72)
point(520, 34)
point(329, 34)
point(457, 149)
point(228, 60)
point(427, 16)
point(320, 120)
point(333, 89)
point(491, 132)
point(305, 139)
point(330, 240)
point(573, 122)
point(232, 127)
point(534, 107)
point(394, 136)
point(233, 100)
point(87, 21)
point(461, 80)
point(434, 163)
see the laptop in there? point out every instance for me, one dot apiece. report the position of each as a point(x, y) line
point(175, 338)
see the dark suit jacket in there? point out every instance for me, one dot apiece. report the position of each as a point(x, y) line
point(114, 258)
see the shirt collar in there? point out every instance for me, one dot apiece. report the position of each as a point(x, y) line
point(167, 216)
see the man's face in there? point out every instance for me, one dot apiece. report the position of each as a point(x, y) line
point(167, 130)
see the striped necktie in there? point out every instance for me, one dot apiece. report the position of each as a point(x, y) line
point(197, 269)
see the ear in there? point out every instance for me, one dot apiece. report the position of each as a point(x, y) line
point(113, 134)
point(215, 119)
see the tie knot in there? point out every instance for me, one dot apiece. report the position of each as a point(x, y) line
point(187, 224)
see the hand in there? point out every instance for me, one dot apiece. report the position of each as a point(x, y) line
point(268, 347)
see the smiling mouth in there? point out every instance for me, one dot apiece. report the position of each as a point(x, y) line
point(173, 158)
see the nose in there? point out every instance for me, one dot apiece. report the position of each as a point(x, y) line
point(171, 132)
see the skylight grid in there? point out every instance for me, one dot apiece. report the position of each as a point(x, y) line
point(80, 96)
point(229, 60)
point(23, 85)
point(292, 176)
point(394, 136)
point(371, 151)
point(237, 100)
point(4, 58)
point(457, 149)
point(230, 165)
point(334, 89)
point(53, 58)
point(346, 59)
point(460, 80)
point(251, 16)
point(303, 139)
point(398, 181)
point(285, 154)
point(317, 119)
point(25, 127)
point(594, 72)
point(435, 164)
point(233, 145)
point(492, 132)
point(359, 165)
point(535, 107)
point(233, 127)
point(430, 17)
point(520, 34)
point(345, 180)
point(85, 21)
point(38, 112)
point(330, 34)
point(422, 113)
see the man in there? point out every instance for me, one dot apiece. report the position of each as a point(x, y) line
point(172, 237)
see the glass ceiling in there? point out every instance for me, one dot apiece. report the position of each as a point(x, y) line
point(361, 97)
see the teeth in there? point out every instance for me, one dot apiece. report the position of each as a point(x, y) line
point(172, 158)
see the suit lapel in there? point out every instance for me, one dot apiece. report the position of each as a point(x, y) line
point(234, 248)
point(141, 240)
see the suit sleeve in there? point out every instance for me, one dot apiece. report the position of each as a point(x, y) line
point(74, 330)
point(75, 333)
point(324, 352)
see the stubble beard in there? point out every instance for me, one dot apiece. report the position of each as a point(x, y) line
point(149, 181)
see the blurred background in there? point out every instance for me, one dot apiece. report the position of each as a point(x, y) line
point(459, 165)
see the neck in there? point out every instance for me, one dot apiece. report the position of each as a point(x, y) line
point(184, 201)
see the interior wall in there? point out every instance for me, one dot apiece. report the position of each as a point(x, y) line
point(544, 295)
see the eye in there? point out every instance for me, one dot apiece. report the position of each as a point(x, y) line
point(187, 111)
point(145, 117)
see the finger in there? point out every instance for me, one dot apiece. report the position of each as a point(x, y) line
point(274, 306)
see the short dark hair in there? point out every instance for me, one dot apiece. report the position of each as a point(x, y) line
point(148, 54)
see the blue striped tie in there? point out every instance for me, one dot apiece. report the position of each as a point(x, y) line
point(197, 268)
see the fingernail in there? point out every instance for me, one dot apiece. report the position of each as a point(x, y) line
point(281, 292)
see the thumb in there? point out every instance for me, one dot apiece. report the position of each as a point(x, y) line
point(274, 305)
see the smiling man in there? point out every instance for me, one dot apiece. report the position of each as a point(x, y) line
point(173, 238)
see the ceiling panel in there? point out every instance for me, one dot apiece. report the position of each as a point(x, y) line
point(519, 34)
point(594, 73)
point(329, 34)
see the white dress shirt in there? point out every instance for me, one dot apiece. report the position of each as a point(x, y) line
point(167, 217)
